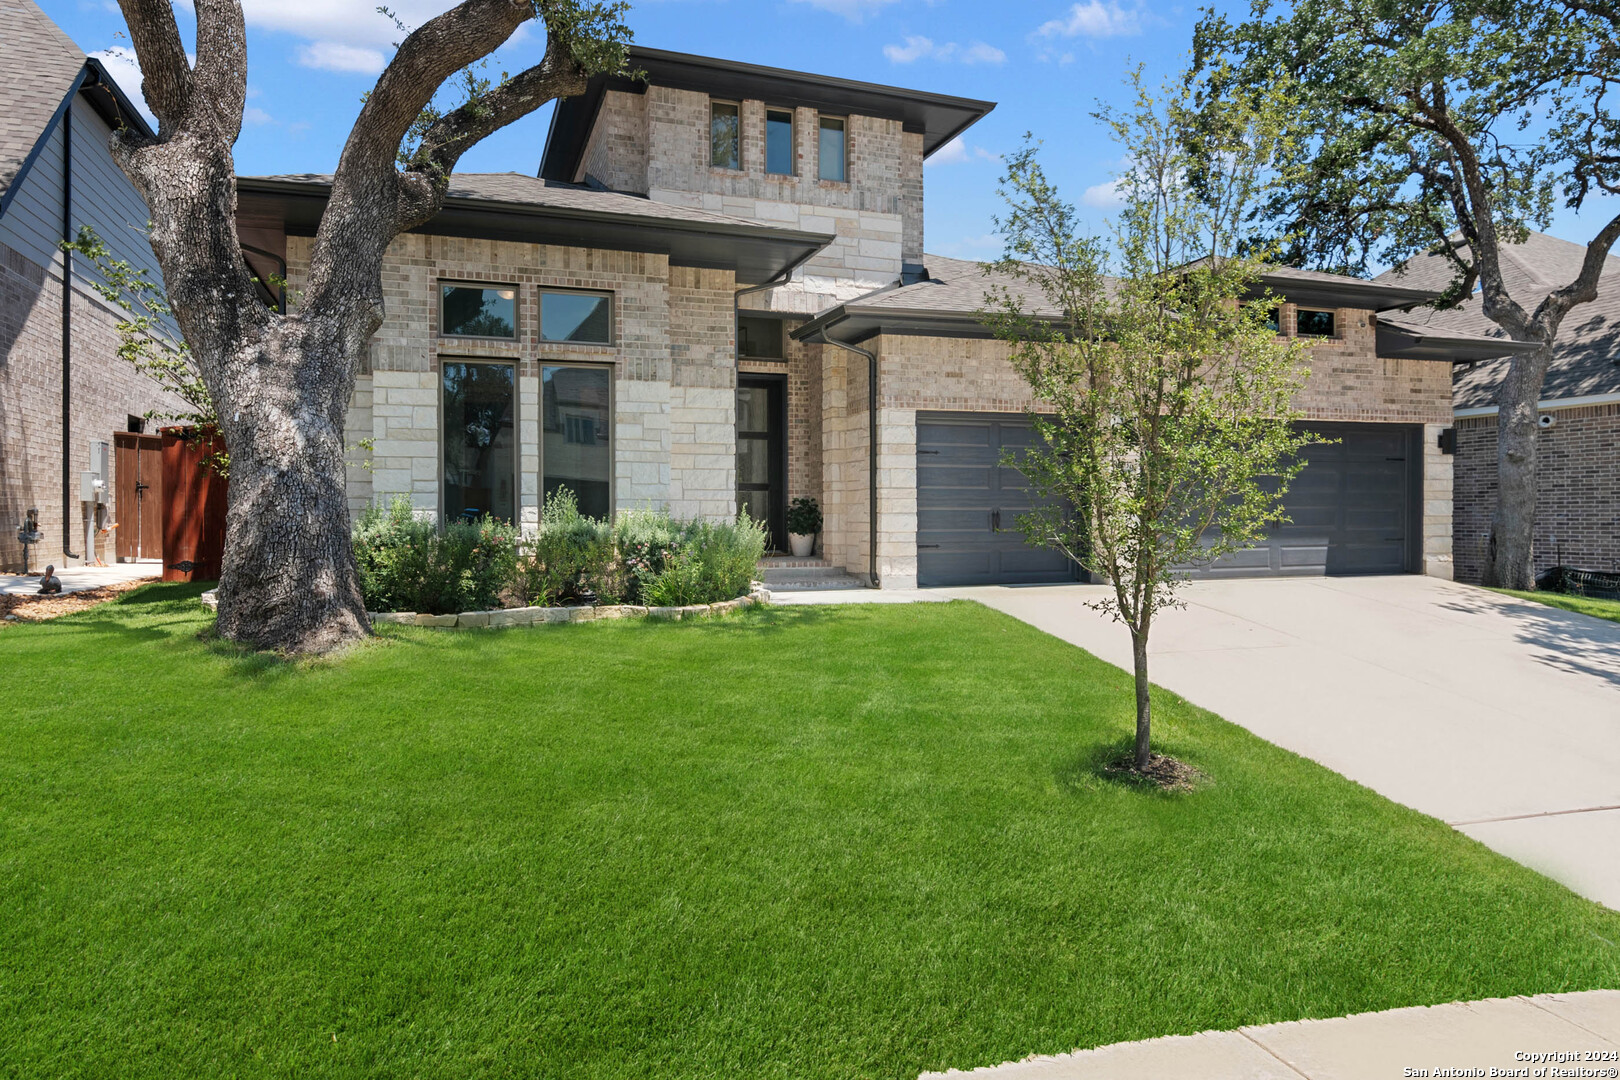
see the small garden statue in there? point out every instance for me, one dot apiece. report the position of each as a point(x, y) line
point(50, 584)
point(803, 522)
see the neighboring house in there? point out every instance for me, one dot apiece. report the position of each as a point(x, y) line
point(716, 295)
point(64, 390)
point(1578, 447)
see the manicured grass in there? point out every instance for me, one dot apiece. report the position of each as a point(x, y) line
point(855, 842)
point(1602, 609)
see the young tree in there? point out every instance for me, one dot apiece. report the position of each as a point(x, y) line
point(1436, 123)
point(281, 382)
point(1166, 417)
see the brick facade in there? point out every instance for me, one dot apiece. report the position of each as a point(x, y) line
point(1577, 490)
point(106, 391)
point(672, 358)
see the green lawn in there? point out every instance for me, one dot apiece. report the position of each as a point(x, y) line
point(854, 842)
point(1602, 609)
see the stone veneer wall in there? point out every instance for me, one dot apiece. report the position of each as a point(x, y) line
point(1348, 382)
point(674, 400)
point(106, 392)
point(1577, 490)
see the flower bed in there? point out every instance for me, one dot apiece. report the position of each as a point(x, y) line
point(536, 616)
point(467, 568)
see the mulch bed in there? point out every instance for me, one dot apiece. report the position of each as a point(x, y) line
point(1163, 772)
point(31, 607)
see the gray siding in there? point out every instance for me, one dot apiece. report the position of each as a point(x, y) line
point(103, 198)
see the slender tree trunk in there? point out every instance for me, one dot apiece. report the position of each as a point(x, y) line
point(1144, 702)
point(1511, 547)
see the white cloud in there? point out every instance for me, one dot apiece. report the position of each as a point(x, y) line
point(957, 152)
point(916, 47)
point(255, 115)
point(853, 10)
point(120, 62)
point(1094, 19)
point(335, 56)
point(1109, 196)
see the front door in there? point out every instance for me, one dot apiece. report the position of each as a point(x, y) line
point(761, 452)
point(138, 497)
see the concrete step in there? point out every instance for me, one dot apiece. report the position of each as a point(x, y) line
point(789, 562)
point(798, 583)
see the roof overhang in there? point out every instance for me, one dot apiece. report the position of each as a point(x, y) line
point(1351, 293)
point(939, 118)
point(853, 323)
point(1398, 342)
point(110, 101)
point(755, 253)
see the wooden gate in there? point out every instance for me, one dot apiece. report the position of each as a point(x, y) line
point(193, 510)
point(138, 500)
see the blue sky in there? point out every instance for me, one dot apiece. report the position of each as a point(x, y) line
point(1045, 62)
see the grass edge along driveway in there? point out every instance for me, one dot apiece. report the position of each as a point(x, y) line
point(1581, 605)
point(808, 842)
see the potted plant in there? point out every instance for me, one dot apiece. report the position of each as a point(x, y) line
point(803, 522)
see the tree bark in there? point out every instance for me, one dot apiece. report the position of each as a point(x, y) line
point(1511, 562)
point(1144, 700)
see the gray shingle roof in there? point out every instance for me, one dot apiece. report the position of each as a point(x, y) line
point(1588, 342)
point(529, 190)
point(38, 64)
point(954, 286)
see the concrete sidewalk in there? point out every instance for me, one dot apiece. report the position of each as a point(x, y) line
point(1502, 1033)
point(1499, 716)
point(79, 578)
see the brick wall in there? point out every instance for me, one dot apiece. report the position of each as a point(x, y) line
point(674, 387)
point(106, 391)
point(1577, 490)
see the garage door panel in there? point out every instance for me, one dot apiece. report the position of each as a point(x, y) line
point(960, 481)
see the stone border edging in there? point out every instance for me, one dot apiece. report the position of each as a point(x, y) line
point(537, 616)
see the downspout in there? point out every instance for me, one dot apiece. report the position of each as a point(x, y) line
point(871, 449)
point(67, 332)
point(781, 277)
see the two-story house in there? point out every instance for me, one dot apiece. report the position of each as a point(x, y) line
point(716, 295)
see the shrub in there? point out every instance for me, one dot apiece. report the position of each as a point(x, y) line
point(407, 564)
point(804, 516)
point(710, 562)
point(645, 540)
point(571, 558)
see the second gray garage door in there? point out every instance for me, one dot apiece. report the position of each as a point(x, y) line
point(1353, 507)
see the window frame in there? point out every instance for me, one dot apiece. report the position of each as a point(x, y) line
point(1333, 318)
point(843, 166)
point(517, 308)
point(542, 291)
point(738, 105)
point(613, 428)
point(746, 314)
point(517, 430)
point(793, 140)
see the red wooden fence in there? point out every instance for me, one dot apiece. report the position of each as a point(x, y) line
point(193, 508)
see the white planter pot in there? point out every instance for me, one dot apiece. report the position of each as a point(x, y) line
point(804, 545)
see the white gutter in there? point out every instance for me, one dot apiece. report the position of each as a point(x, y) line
point(1544, 406)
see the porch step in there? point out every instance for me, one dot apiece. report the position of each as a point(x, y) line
point(783, 573)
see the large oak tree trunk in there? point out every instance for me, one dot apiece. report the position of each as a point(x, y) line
point(1511, 556)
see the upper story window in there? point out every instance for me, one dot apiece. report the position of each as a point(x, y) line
point(488, 311)
point(833, 150)
point(582, 318)
point(779, 142)
point(1314, 323)
point(725, 145)
point(759, 338)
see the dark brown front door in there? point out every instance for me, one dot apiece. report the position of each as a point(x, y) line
point(138, 500)
point(761, 452)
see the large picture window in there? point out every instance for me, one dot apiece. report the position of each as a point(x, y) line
point(833, 148)
point(725, 148)
point(488, 311)
point(480, 440)
point(576, 450)
point(583, 318)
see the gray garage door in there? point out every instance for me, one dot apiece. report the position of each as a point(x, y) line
point(963, 491)
point(1352, 507)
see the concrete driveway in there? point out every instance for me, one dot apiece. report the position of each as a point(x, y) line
point(1499, 716)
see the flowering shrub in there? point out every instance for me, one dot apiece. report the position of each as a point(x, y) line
point(407, 564)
